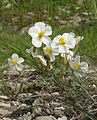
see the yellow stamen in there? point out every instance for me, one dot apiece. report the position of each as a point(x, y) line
point(62, 41)
point(41, 34)
point(14, 62)
point(76, 66)
point(48, 51)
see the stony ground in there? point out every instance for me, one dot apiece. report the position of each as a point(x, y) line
point(39, 101)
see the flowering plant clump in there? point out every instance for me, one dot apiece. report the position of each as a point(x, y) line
point(62, 50)
point(62, 45)
point(47, 50)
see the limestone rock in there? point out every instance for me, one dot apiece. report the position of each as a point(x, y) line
point(46, 118)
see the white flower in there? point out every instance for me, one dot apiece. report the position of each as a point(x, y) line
point(15, 63)
point(42, 60)
point(68, 56)
point(63, 118)
point(78, 39)
point(31, 50)
point(34, 54)
point(40, 33)
point(78, 67)
point(51, 52)
point(64, 42)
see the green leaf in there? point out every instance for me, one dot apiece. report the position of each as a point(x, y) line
point(4, 88)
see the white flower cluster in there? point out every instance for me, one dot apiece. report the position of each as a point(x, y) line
point(62, 45)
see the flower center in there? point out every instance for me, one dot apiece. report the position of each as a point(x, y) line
point(41, 34)
point(48, 51)
point(14, 62)
point(76, 66)
point(62, 41)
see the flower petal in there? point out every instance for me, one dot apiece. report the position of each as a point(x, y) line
point(71, 42)
point(42, 59)
point(77, 74)
point(10, 62)
point(19, 67)
point(84, 66)
point(55, 51)
point(46, 40)
point(52, 58)
point(40, 26)
point(54, 45)
point(77, 59)
point(72, 65)
point(48, 30)
point(72, 34)
point(69, 39)
point(66, 36)
point(20, 60)
point(28, 50)
point(56, 39)
point(61, 49)
point(15, 56)
point(78, 39)
point(36, 42)
point(33, 32)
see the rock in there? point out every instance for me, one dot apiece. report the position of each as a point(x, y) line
point(4, 112)
point(48, 110)
point(27, 99)
point(25, 117)
point(63, 118)
point(38, 110)
point(55, 104)
point(46, 97)
point(37, 102)
point(59, 108)
point(58, 112)
point(23, 30)
point(3, 97)
point(6, 119)
point(62, 22)
point(46, 118)
point(57, 17)
point(4, 104)
point(55, 94)
point(5, 108)
point(77, 18)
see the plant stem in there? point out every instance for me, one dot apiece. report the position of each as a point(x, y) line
point(84, 89)
point(57, 82)
point(20, 88)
